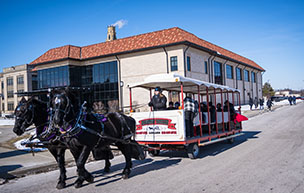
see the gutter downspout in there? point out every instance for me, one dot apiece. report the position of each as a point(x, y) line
point(120, 90)
point(211, 68)
point(185, 74)
point(167, 60)
point(224, 72)
point(244, 84)
point(262, 73)
point(208, 70)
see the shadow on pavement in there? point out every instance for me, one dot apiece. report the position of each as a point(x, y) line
point(5, 169)
point(142, 169)
point(214, 149)
point(12, 153)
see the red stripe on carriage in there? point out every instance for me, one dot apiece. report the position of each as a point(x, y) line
point(142, 133)
point(168, 132)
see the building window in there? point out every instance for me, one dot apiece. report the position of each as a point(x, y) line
point(2, 85)
point(188, 63)
point(105, 85)
point(218, 73)
point(246, 75)
point(253, 77)
point(229, 71)
point(206, 67)
point(20, 79)
point(238, 74)
point(2, 106)
point(9, 81)
point(53, 77)
point(173, 63)
point(10, 94)
point(10, 106)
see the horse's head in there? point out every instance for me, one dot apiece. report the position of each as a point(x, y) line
point(62, 107)
point(24, 115)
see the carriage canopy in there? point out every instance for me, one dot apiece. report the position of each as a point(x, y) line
point(172, 82)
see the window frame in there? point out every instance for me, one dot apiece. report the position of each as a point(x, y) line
point(253, 77)
point(173, 63)
point(246, 75)
point(188, 63)
point(231, 71)
point(238, 72)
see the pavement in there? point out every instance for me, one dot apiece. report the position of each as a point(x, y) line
point(268, 158)
point(15, 163)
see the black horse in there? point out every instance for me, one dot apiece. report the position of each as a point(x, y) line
point(83, 131)
point(35, 112)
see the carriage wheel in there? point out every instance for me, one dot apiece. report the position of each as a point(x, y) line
point(193, 151)
point(153, 153)
point(231, 140)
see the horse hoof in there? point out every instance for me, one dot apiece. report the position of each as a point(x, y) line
point(90, 179)
point(60, 185)
point(78, 183)
point(106, 170)
point(125, 176)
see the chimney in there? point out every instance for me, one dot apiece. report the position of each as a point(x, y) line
point(111, 33)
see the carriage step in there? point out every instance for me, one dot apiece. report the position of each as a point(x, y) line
point(221, 139)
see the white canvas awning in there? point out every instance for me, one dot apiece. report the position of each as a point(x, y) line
point(172, 82)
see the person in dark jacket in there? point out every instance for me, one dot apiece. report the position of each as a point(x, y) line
point(231, 108)
point(158, 101)
point(261, 103)
point(219, 107)
point(191, 110)
point(269, 104)
point(294, 100)
point(250, 103)
point(171, 107)
point(290, 100)
point(256, 102)
point(212, 112)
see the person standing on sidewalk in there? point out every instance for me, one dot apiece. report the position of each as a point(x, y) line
point(250, 103)
point(261, 104)
point(294, 100)
point(269, 103)
point(290, 100)
point(256, 102)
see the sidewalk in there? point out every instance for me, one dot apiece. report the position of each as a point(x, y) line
point(254, 112)
point(17, 163)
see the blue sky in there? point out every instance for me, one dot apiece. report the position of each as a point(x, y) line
point(269, 32)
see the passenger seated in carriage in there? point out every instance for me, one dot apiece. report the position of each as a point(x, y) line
point(231, 109)
point(171, 107)
point(158, 101)
point(176, 105)
point(219, 107)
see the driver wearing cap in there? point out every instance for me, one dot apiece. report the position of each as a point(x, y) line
point(158, 101)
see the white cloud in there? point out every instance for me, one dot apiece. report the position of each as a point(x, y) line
point(120, 23)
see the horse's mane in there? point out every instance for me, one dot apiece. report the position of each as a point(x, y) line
point(70, 95)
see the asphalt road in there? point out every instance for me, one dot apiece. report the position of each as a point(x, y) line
point(268, 158)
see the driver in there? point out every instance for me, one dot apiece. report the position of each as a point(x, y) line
point(158, 101)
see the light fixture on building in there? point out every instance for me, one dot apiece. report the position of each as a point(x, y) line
point(121, 83)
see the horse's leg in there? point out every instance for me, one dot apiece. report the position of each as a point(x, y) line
point(107, 165)
point(83, 174)
point(126, 151)
point(58, 154)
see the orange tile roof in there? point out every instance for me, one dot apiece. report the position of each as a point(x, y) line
point(134, 43)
